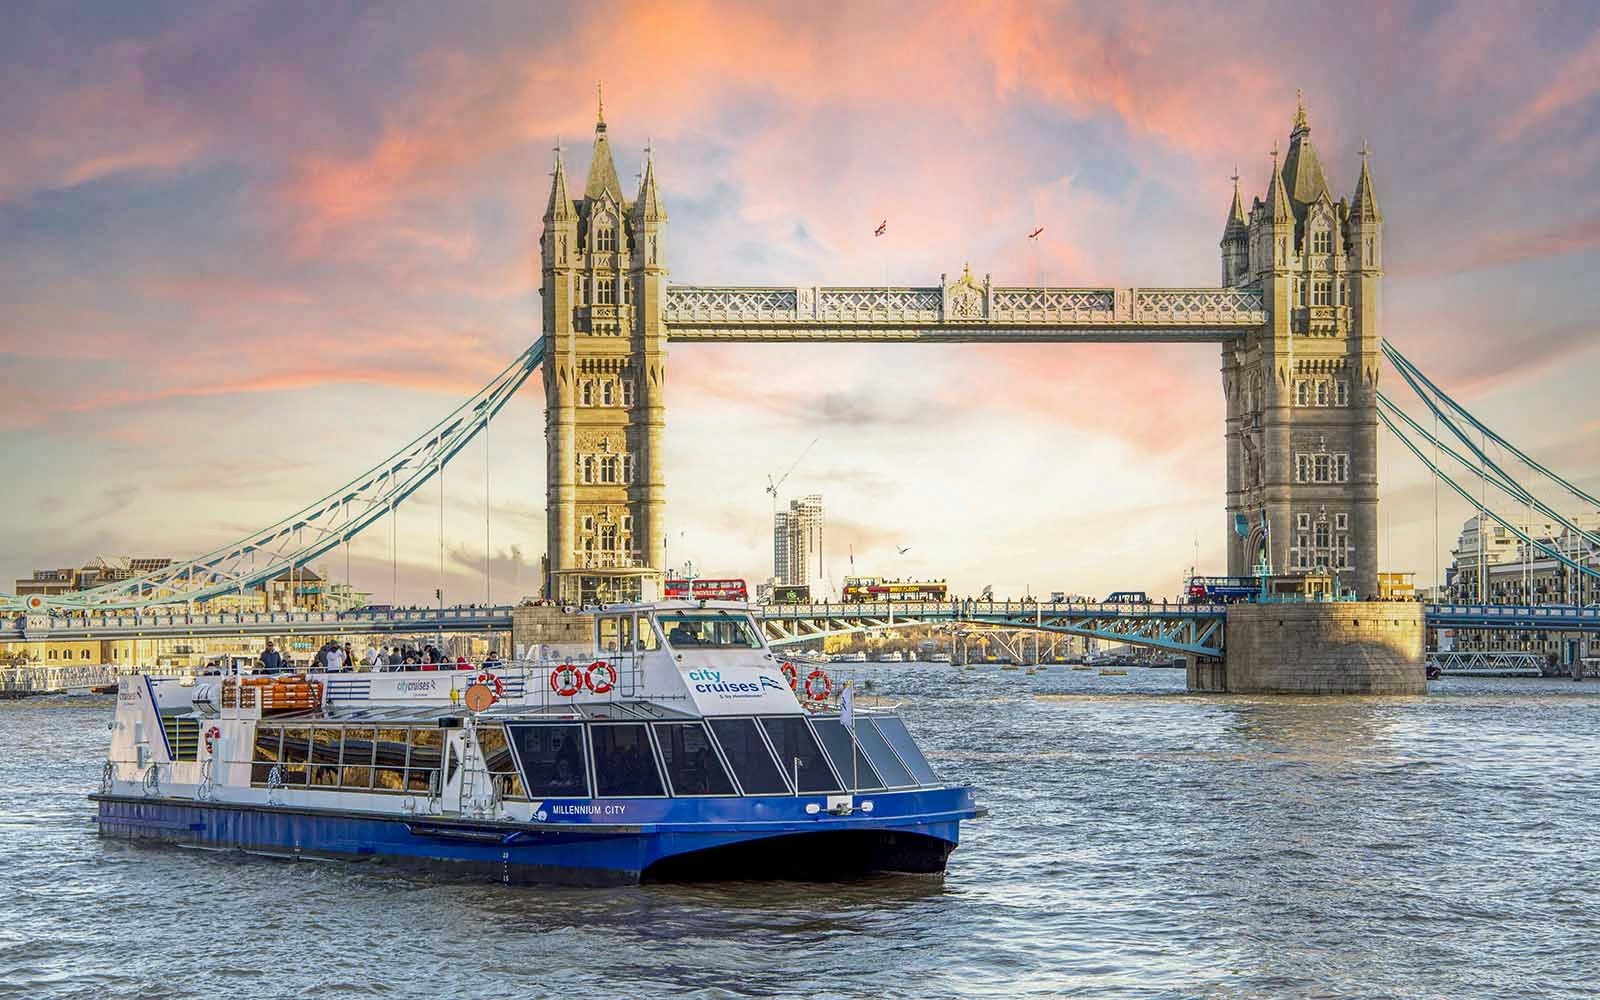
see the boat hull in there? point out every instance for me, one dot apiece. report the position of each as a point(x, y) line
point(913, 832)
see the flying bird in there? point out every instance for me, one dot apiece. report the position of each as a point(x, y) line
point(1035, 234)
point(902, 549)
point(883, 227)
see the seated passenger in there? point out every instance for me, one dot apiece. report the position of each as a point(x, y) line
point(683, 635)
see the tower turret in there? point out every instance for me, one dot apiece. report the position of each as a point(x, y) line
point(1235, 243)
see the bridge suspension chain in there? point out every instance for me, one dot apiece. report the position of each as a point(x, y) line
point(330, 521)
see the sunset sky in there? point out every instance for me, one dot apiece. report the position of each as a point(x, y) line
point(246, 251)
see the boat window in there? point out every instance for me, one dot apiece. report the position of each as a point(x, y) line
point(427, 754)
point(552, 759)
point(296, 751)
point(838, 742)
point(692, 764)
point(714, 629)
point(792, 739)
point(609, 626)
point(894, 731)
point(325, 756)
point(389, 761)
point(269, 739)
point(357, 769)
point(646, 640)
point(624, 763)
point(502, 766)
point(893, 773)
point(749, 757)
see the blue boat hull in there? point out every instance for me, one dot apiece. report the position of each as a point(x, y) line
point(704, 839)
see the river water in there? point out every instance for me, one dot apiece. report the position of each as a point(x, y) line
point(1142, 843)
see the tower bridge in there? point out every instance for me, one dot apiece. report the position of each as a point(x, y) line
point(1294, 317)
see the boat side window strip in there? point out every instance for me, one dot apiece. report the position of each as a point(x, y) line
point(837, 741)
point(895, 733)
point(884, 759)
point(800, 755)
point(693, 765)
point(749, 756)
point(552, 757)
point(624, 761)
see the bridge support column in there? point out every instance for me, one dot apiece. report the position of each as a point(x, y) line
point(1366, 647)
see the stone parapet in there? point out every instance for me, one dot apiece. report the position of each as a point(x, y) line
point(546, 631)
point(1367, 647)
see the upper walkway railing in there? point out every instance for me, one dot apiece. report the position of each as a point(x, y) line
point(963, 311)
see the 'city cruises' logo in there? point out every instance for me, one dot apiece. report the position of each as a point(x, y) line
point(419, 685)
point(708, 681)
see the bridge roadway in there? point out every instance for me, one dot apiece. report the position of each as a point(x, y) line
point(1179, 628)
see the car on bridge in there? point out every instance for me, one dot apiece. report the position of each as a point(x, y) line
point(1127, 597)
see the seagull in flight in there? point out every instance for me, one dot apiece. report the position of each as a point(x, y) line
point(902, 549)
point(1035, 234)
point(883, 227)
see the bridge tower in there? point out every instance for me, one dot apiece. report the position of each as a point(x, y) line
point(603, 283)
point(1301, 392)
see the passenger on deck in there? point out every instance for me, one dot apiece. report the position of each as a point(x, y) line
point(271, 660)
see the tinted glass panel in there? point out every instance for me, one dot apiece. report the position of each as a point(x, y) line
point(389, 766)
point(357, 769)
point(895, 732)
point(624, 764)
point(267, 740)
point(427, 755)
point(893, 773)
point(325, 756)
point(552, 760)
point(692, 764)
point(836, 740)
point(792, 739)
point(718, 629)
point(501, 764)
point(749, 757)
point(296, 751)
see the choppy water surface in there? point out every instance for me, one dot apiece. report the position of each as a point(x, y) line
point(1143, 843)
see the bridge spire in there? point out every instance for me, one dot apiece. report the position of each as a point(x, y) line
point(647, 207)
point(1364, 204)
point(560, 206)
point(1276, 199)
point(602, 171)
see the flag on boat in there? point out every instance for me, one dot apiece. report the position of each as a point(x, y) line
point(847, 706)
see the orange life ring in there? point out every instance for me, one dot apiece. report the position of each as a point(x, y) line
point(490, 679)
point(792, 674)
point(603, 686)
point(211, 734)
point(827, 685)
point(569, 687)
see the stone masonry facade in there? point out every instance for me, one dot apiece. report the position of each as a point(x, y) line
point(1302, 476)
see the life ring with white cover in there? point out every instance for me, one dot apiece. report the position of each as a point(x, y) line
point(827, 685)
point(600, 687)
point(791, 674)
point(486, 678)
point(211, 735)
point(565, 680)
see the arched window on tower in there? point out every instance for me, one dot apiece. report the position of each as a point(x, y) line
point(587, 393)
point(588, 469)
point(608, 393)
point(1322, 241)
point(1302, 393)
point(627, 392)
point(605, 235)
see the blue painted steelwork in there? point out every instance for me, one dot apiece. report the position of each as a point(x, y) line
point(585, 841)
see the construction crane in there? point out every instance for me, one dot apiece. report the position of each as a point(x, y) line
point(772, 487)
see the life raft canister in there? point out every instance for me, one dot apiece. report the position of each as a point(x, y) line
point(565, 680)
point(792, 674)
point(827, 685)
point(600, 686)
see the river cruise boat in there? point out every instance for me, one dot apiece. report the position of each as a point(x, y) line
point(680, 746)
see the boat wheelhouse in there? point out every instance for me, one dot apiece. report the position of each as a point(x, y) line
point(676, 745)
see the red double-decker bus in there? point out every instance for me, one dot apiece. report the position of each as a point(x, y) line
point(706, 590)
